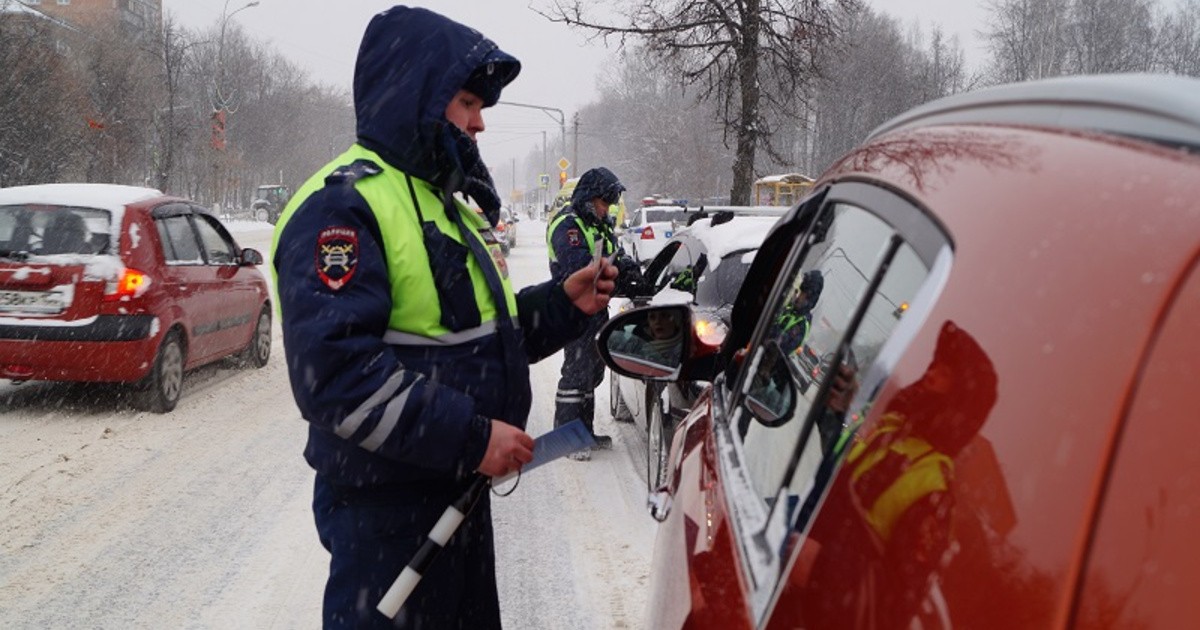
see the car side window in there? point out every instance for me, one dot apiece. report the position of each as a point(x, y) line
point(218, 248)
point(179, 240)
point(847, 288)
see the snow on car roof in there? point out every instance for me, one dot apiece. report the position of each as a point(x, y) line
point(739, 233)
point(112, 197)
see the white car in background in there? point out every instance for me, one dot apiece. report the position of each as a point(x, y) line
point(650, 227)
point(703, 265)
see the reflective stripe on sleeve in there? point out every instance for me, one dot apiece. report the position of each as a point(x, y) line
point(352, 422)
point(388, 422)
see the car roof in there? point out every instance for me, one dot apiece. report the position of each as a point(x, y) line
point(737, 234)
point(110, 197)
point(1159, 108)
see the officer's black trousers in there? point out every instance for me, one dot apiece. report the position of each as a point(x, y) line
point(372, 533)
point(582, 372)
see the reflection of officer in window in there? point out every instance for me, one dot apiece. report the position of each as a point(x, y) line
point(888, 516)
point(795, 321)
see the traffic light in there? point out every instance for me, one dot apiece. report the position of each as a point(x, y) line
point(218, 130)
point(562, 178)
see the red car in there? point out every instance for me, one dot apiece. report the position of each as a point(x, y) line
point(1006, 435)
point(103, 283)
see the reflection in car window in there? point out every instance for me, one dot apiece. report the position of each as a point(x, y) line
point(218, 250)
point(845, 296)
point(683, 269)
point(179, 241)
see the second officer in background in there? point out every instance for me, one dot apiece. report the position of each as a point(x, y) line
point(575, 237)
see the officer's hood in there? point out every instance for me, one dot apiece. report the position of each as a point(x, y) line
point(811, 284)
point(410, 64)
point(597, 182)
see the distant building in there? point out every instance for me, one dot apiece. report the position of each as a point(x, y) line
point(34, 23)
point(142, 17)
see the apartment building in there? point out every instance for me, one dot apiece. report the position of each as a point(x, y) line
point(138, 16)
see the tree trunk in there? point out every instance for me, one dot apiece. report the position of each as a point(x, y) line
point(747, 129)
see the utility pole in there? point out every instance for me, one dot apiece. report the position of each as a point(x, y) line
point(575, 153)
point(545, 190)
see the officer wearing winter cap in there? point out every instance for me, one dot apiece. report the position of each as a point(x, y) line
point(407, 348)
point(575, 238)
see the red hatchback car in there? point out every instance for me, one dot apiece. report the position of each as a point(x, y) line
point(1005, 433)
point(104, 283)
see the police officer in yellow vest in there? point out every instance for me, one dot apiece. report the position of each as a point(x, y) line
point(580, 233)
point(407, 349)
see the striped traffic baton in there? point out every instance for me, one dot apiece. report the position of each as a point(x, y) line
point(454, 515)
point(565, 439)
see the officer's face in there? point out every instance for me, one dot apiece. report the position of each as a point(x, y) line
point(466, 112)
point(601, 207)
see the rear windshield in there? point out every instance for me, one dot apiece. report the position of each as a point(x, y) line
point(720, 286)
point(662, 216)
point(46, 230)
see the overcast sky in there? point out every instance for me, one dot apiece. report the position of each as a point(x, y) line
point(559, 66)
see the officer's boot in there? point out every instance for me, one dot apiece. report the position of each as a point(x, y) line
point(568, 406)
point(603, 442)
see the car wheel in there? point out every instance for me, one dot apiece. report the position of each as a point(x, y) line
point(658, 440)
point(616, 405)
point(159, 391)
point(258, 351)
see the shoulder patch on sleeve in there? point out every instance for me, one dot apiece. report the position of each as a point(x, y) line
point(337, 256)
point(573, 237)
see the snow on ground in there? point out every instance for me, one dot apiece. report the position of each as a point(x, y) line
point(116, 518)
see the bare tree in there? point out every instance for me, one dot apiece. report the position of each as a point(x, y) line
point(121, 101)
point(881, 74)
point(742, 55)
point(1028, 38)
point(1179, 40)
point(170, 51)
point(40, 100)
point(654, 134)
point(1111, 36)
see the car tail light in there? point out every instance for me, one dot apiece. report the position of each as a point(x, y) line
point(711, 333)
point(130, 284)
point(647, 233)
point(17, 371)
point(500, 227)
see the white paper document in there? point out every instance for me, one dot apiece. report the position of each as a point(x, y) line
point(560, 442)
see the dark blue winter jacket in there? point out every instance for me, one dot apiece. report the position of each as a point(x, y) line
point(381, 411)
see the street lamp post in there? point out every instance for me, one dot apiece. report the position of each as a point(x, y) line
point(550, 111)
point(222, 103)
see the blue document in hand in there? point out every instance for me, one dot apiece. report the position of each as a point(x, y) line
point(564, 440)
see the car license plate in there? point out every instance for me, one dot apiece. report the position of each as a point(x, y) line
point(32, 302)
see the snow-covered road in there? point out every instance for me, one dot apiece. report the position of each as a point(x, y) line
point(116, 518)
